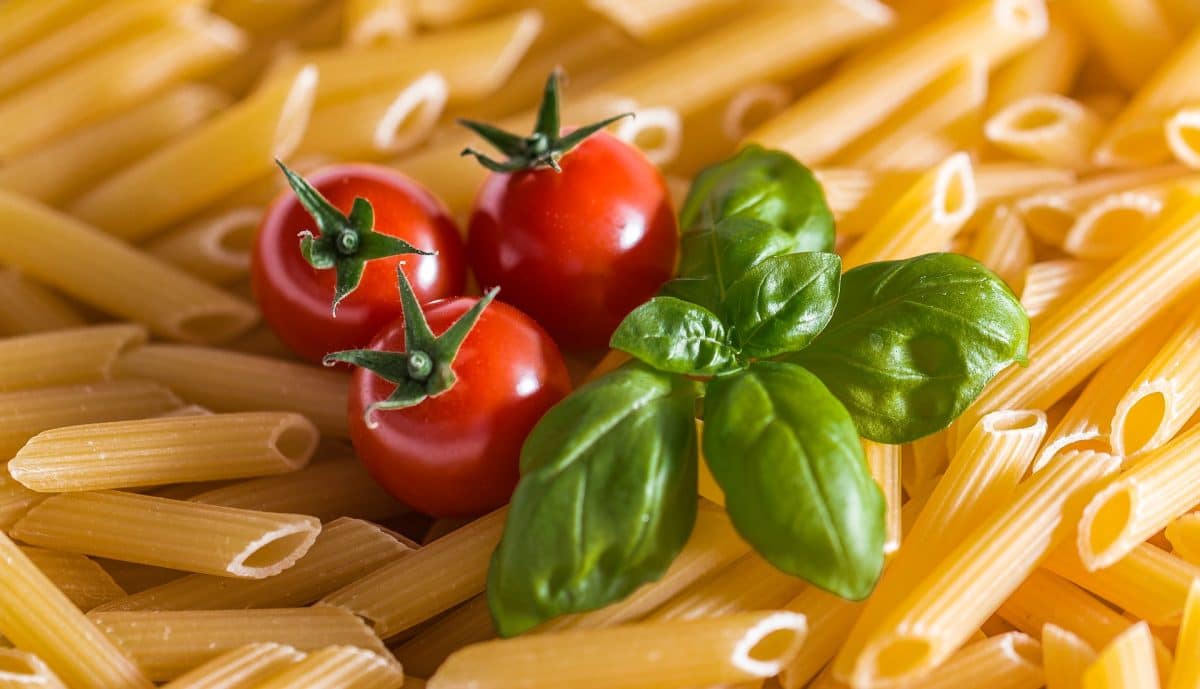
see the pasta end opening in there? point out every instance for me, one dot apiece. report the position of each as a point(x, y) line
point(770, 644)
point(656, 132)
point(297, 109)
point(901, 656)
point(275, 552)
point(1108, 228)
point(1140, 423)
point(296, 440)
point(1014, 420)
point(1183, 137)
point(1103, 526)
point(1027, 17)
point(954, 196)
point(15, 667)
point(1024, 650)
point(752, 108)
point(413, 115)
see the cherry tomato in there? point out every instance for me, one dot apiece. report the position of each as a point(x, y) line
point(456, 454)
point(578, 249)
point(295, 297)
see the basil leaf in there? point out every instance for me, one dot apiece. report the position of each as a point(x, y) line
point(606, 501)
point(676, 336)
point(712, 258)
point(797, 488)
point(913, 343)
point(770, 186)
point(781, 304)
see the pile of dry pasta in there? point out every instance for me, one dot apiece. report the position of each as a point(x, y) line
point(179, 504)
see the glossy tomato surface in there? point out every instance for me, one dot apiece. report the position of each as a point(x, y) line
point(577, 249)
point(295, 297)
point(457, 454)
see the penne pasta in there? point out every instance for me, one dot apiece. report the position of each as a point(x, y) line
point(884, 464)
point(116, 79)
point(1050, 65)
point(871, 87)
point(1149, 582)
point(22, 669)
point(1050, 284)
point(922, 462)
point(1073, 341)
point(55, 172)
point(227, 381)
point(168, 643)
point(829, 620)
point(31, 308)
point(683, 653)
point(228, 151)
point(134, 578)
point(176, 534)
point(61, 357)
point(661, 21)
point(1132, 37)
point(750, 583)
point(1186, 673)
point(1184, 536)
point(1162, 396)
point(1007, 661)
point(431, 580)
point(346, 550)
point(1110, 226)
point(26, 21)
point(374, 125)
point(1182, 131)
point(1140, 502)
point(245, 667)
point(1065, 656)
point(258, 16)
point(376, 22)
point(163, 450)
point(963, 589)
point(81, 580)
point(340, 667)
point(15, 500)
point(924, 219)
point(325, 490)
point(440, 13)
point(1127, 662)
point(215, 248)
point(1046, 128)
point(121, 280)
point(38, 618)
point(469, 623)
point(1002, 244)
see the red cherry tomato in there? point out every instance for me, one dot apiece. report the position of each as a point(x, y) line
point(579, 249)
point(456, 454)
point(295, 297)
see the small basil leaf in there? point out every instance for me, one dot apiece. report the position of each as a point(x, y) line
point(711, 258)
point(770, 186)
point(913, 343)
point(797, 488)
point(606, 501)
point(781, 304)
point(676, 336)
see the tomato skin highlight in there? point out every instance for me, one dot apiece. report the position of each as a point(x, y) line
point(457, 454)
point(579, 249)
point(295, 297)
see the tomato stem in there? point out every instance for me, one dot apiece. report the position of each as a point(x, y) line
point(544, 147)
point(419, 365)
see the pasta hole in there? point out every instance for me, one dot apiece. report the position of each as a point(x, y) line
point(773, 646)
point(238, 238)
point(954, 196)
point(901, 657)
point(1109, 521)
point(276, 551)
point(1119, 226)
point(413, 114)
point(1134, 144)
point(296, 441)
point(1093, 444)
point(1142, 422)
point(1035, 118)
point(769, 644)
point(1048, 222)
point(16, 666)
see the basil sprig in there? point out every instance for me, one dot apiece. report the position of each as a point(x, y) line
point(800, 361)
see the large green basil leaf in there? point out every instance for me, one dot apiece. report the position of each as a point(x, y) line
point(765, 185)
point(712, 258)
point(913, 343)
point(606, 501)
point(797, 488)
point(781, 304)
point(676, 336)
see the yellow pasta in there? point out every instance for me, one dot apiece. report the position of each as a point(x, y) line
point(922, 462)
point(169, 643)
point(875, 84)
point(884, 464)
point(15, 500)
point(62, 357)
point(31, 308)
point(1077, 337)
point(24, 670)
point(1046, 128)
point(1089, 423)
point(467, 624)
point(924, 219)
point(661, 21)
point(750, 583)
point(1064, 657)
point(1050, 284)
point(689, 653)
point(447, 12)
point(830, 619)
point(134, 578)
point(1162, 396)
point(1007, 661)
point(1184, 536)
point(373, 22)
point(241, 668)
point(80, 579)
point(1136, 136)
point(216, 248)
point(1182, 131)
point(431, 580)
point(226, 152)
point(26, 21)
point(340, 667)
point(116, 79)
point(1148, 582)
point(981, 478)
point(121, 280)
point(1002, 244)
point(176, 534)
point(1144, 499)
point(1110, 226)
point(1050, 65)
point(39, 618)
point(963, 589)
point(1126, 663)
point(346, 550)
point(1186, 674)
point(375, 125)
point(227, 381)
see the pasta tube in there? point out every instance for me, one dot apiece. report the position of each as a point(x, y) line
point(1002, 244)
point(1127, 662)
point(1064, 658)
point(15, 500)
point(440, 13)
point(1186, 673)
point(227, 381)
point(1132, 37)
point(1148, 582)
point(830, 619)
point(469, 623)
point(80, 579)
point(1050, 284)
point(215, 249)
point(1010, 661)
point(39, 618)
point(24, 670)
point(340, 667)
point(884, 464)
point(1046, 128)
point(159, 451)
point(245, 667)
point(660, 21)
point(345, 550)
point(206, 539)
point(750, 583)
point(374, 22)
point(228, 151)
point(62, 357)
point(1184, 536)
point(1049, 66)
point(378, 124)
point(691, 653)
point(168, 643)
point(25, 21)
point(31, 308)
